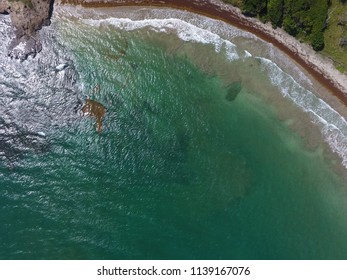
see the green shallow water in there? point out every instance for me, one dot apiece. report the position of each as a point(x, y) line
point(182, 170)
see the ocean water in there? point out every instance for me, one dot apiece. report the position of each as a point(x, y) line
point(208, 151)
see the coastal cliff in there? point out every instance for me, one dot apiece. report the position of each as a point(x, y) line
point(27, 16)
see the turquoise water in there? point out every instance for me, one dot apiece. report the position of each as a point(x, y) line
point(190, 164)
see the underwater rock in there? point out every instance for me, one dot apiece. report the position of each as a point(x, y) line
point(232, 91)
point(134, 66)
point(147, 106)
point(94, 109)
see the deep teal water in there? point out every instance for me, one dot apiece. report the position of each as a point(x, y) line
point(180, 171)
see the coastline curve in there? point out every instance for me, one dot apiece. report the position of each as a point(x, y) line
point(322, 71)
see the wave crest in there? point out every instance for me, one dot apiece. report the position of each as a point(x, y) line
point(334, 126)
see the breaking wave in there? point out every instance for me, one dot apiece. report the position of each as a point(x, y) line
point(184, 30)
point(51, 76)
point(333, 125)
point(36, 95)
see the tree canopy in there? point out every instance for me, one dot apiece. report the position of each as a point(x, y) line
point(305, 19)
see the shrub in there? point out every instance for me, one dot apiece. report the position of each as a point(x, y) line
point(254, 7)
point(317, 41)
point(275, 12)
point(290, 26)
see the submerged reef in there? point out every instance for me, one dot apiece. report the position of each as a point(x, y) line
point(94, 109)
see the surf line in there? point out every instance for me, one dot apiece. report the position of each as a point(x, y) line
point(216, 10)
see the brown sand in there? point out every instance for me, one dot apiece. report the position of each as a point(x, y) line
point(335, 82)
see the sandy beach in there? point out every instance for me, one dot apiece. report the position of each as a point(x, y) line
point(207, 129)
point(318, 67)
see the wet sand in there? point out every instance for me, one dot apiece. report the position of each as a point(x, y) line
point(318, 67)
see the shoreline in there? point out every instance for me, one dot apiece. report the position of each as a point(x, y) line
point(320, 68)
point(316, 118)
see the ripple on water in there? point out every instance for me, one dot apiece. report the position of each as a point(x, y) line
point(192, 152)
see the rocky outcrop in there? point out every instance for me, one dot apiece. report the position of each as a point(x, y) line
point(27, 16)
point(343, 42)
point(94, 109)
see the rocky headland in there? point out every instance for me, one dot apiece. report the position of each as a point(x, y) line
point(27, 16)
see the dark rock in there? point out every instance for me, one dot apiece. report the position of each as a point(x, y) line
point(233, 90)
point(343, 42)
point(134, 66)
point(150, 108)
point(27, 16)
point(21, 48)
point(342, 22)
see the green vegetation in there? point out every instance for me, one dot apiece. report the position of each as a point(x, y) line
point(335, 32)
point(236, 3)
point(322, 23)
point(254, 7)
point(304, 19)
point(275, 12)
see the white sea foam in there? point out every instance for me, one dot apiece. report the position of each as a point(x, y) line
point(184, 30)
point(209, 31)
point(61, 66)
point(247, 54)
point(21, 47)
point(28, 88)
point(334, 126)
